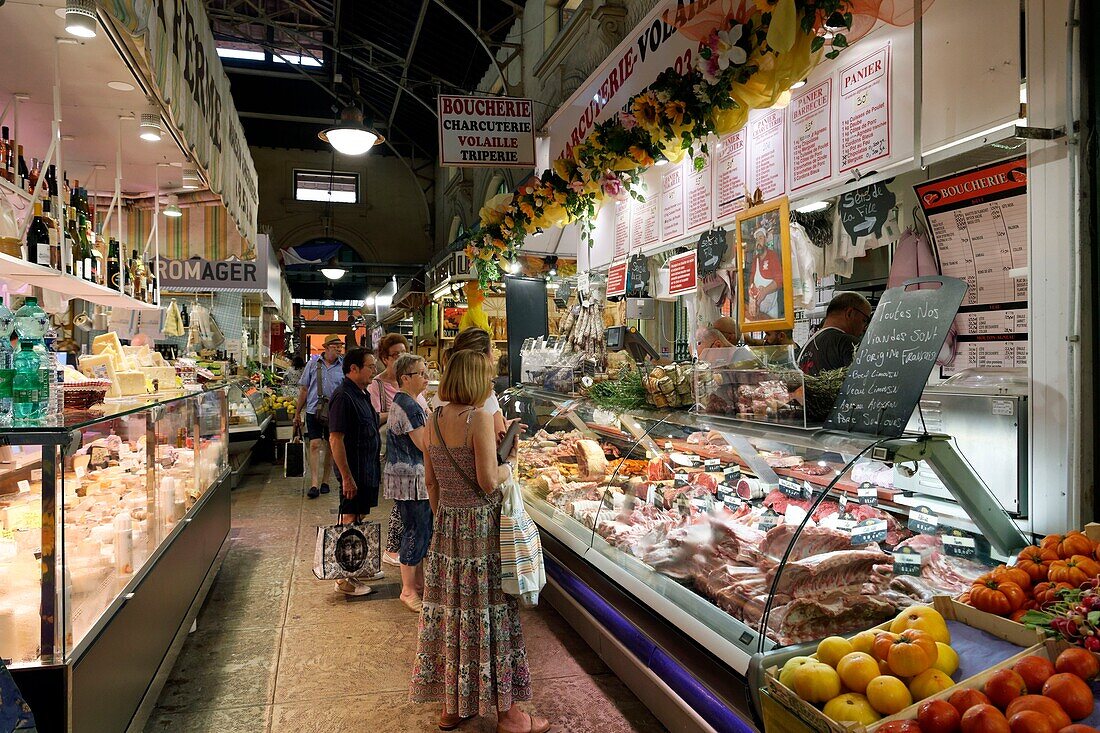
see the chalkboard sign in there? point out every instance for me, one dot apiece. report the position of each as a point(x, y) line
point(563, 293)
point(711, 251)
point(637, 275)
point(895, 357)
point(863, 212)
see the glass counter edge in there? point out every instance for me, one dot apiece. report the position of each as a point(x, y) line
point(128, 409)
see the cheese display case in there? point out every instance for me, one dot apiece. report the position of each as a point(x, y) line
point(749, 536)
point(96, 518)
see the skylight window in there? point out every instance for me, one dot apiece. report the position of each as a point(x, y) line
point(338, 187)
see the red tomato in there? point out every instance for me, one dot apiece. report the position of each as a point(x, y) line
point(1029, 721)
point(1039, 704)
point(1078, 661)
point(938, 716)
point(1035, 671)
point(1079, 728)
point(1071, 692)
point(984, 719)
point(967, 698)
point(1004, 686)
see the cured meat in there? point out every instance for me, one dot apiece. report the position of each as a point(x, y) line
point(807, 618)
point(591, 462)
point(811, 541)
point(914, 588)
point(705, 481)
point(658, 470)
point(828, 571)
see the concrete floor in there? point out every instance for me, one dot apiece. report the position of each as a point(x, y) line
point(278, 651)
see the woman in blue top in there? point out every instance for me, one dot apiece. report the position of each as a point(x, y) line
point(403, 474)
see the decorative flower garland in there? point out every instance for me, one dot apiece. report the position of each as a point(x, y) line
point(749, 56)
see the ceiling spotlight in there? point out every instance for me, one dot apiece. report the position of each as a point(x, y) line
point(80, 20)
point(191, 179)
point(332, 270)
point(351, 136)
point(173, 207)
point(798, 85)
point(835, 22)
point(120, 86)
point(149, 128)
point(552, 263)
point(811, 208)
point(661, 159)
point(514, 267)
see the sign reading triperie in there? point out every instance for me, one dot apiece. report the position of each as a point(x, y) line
point(486, 131)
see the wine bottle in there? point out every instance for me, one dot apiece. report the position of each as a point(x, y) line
point(51, 190)
point(114, 267)
point(55, 235)
point(24, 172)
point(6, 170)
point(38, 238)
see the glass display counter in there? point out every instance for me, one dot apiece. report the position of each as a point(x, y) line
point(752, 535)
point(249, 416)
point(88, 509)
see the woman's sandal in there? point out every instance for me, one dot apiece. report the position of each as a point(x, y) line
point(450, 722)
point(543, 726)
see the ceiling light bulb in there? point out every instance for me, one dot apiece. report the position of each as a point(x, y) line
point(798, 84)
point(514, 267)
point(149, 128)
point(661, 161)
point(80, 20)
point(553, 271)
point(811, 208)
point(173, 207)
point(351, 136)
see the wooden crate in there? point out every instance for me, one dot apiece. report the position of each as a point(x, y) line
point(951, 610)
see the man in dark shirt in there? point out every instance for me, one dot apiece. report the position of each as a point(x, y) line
point(834, 344)
point(355, 445)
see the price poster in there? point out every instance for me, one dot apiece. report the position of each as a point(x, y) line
point(616, 279)
point(682, 273)
point(978, 222)
point(643, 223)
point(699, 196)
point(810, 149)
point(730, 174)
point(672, 198)
point(622, 230)
point(768, 170)
point(865, 110)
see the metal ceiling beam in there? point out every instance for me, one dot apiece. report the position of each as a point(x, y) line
point(327, 121)
point(408, 61)
point(481, 40)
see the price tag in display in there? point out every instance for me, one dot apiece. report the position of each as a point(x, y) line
point(957, 544)
point(846, 522)
point(668, 445)
point(711, 463)
point(790, 487)
point(732, 475)
point(705, 503)
point(683, 505)
point(650, 494)
point(768, 520)
point(907, 561)
point(867, 494)
point(843, 503)
point(680, 480)
point(80, 470)
point(922, 520)
point(868, 531)
point(608, 500)
point(809, 490)
point(24, 486)
point(732, 502)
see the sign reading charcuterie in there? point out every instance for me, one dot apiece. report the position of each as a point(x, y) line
point(486, 132)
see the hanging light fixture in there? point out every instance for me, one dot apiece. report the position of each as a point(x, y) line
point(332, 270)
point(351, 136)
point(173, 208)
point(80, 20)
point(149, 127)
point(191, 179)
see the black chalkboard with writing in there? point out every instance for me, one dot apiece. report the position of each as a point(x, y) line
point(637, 275)
point(863, 212)
point(712, 250)
point(891, 366)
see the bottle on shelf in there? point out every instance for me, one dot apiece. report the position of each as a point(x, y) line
point(74, 262)
point(52, 193)
point(6, 170)
point(86, 261)
point(7, 363)
point(35, 174)
point(114, 266)
point(138, 270)
point(24, 172)
point(25, 383)
point(54, 227)
point(38, 238)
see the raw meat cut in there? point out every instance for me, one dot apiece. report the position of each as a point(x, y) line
point(811, 541)
point(807, 618)
point(828, 571)
point(591, 462)
point(658, 470)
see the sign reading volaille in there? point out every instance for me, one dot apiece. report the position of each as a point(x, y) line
point(486, 131)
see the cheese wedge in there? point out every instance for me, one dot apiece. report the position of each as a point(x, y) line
point(101, 366)
point(165, 376)
point(130, 382)
point(102, 341)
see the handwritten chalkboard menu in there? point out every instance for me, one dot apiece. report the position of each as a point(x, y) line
point(895, 357)
point(637, 275)
point(712, 250)
point(863, 212)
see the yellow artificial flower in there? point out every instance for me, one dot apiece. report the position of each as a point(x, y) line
point(675, 111)
point(640, 156)
point(527, 209)
point(645, 110)
point(764, 6)
point(494, 209)
point(564, 168)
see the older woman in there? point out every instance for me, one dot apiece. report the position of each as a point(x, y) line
point(382, 391)
point(403, 474)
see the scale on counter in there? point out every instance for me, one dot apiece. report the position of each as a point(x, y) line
point(619, 338)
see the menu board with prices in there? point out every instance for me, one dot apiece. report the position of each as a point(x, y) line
point(810, 137)
point(767, 167)
point(616, 279)
point(864, 114)
point(978, 222)
point(672, 204)
point(730, 174)
point(643, 224)
point(622, 230)
point(699, 194)
point(682, 273)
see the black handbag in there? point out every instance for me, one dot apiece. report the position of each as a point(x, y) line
point(294, 462)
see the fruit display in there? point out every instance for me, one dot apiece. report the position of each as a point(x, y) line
point(274, 403)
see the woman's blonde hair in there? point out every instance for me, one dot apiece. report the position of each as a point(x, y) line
point(468, 379)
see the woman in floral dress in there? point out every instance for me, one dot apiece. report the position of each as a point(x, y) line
point(470, 655)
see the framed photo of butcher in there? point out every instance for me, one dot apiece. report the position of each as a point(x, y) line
point(764, 261)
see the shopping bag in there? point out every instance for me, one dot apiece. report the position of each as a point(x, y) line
point(294, 465)
point(522, 573)
point(348, 551)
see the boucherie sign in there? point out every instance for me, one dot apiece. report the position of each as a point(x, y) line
point(486, 131)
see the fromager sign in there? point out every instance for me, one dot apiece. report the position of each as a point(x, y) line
point(486, 131)
point(202, 274)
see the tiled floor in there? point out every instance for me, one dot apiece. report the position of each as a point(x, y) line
point(278, 651)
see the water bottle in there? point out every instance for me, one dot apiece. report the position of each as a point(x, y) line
point(56, 377)
point(26, 383)
point(31, 322)
point(7, 365)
